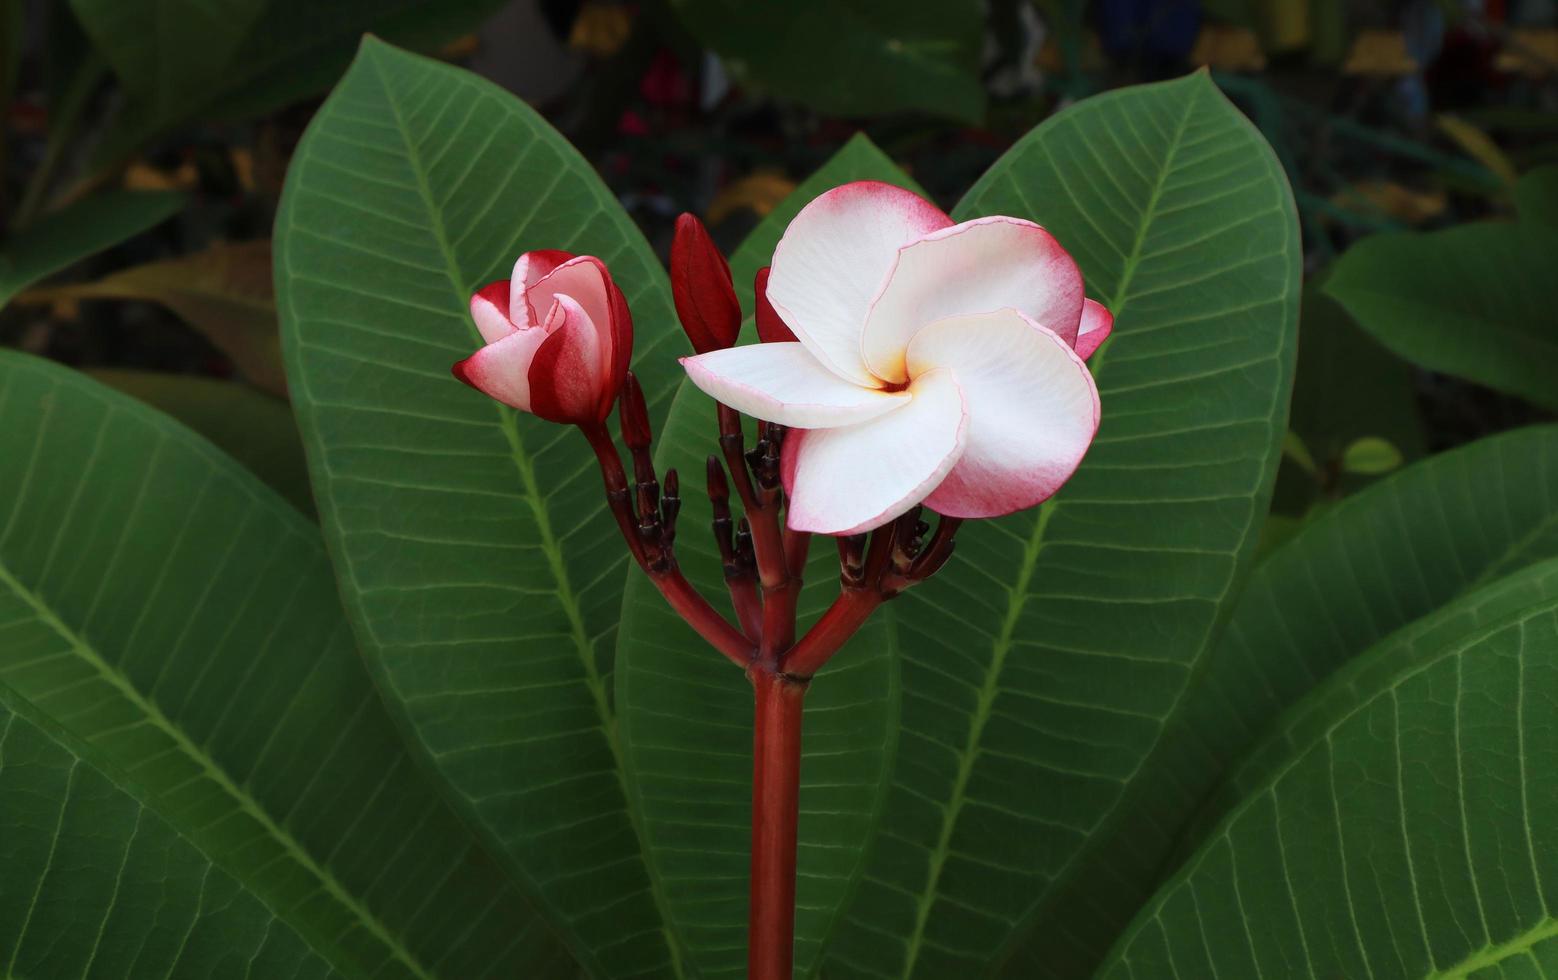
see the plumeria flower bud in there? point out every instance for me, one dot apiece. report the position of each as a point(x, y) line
point(701, 286)
point(770, 328)
point(934, 362)
point(558, 338)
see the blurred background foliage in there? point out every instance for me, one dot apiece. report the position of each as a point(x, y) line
point(144, 147)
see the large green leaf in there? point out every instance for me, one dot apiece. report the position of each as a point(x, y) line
point(481, 570)
point(59, 240)
point(236, 58)
point(1370, 565)
point(1039, 665)
point(97, 884)
point(1475, 301)
point(687, 715)
point(254, 429)
point(166, 609)
point(851, 57)
point(1409, 834)
point(1472, 613)
point(169, 52)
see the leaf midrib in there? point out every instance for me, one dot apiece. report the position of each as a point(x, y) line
point(525, 466)
point(1019, 595)
point(212, 771)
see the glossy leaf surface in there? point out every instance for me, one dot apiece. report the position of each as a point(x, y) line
point(162, 606)
point(478, 563)
point(1408, 834)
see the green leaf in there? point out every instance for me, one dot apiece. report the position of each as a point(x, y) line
point(1471, 614)
point(167, 52)
point(686, 717)
point(255, 430)
point(59, 240)
point(166, 609)
point(1371, 456)
point(263, 54)
point(1475, 301)
point(1408, 834)
point(1367, 566)
point(1038, 666)
point(690, 769)
point(223, 291)
point(1536, 196)
point(851, 57)
point(859, 159)
point(481, 570)
point(98, 884)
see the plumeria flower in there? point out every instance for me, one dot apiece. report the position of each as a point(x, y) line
point(933, 362)
point(558, 338)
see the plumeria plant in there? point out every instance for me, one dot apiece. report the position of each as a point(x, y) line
point(482, 721)
point(907, 364)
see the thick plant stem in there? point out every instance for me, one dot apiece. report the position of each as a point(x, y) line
point(776, 785)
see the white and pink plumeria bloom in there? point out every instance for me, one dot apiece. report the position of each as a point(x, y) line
point(558, 338)
point(935, 362)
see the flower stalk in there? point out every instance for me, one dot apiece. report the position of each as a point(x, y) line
point(902, 363)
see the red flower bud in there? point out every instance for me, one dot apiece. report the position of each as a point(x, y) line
point(770, 329)
point(700, 283)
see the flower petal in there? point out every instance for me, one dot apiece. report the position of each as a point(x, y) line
point(490, 310)
point(783, 383)
point(1032, 405)
point(844, 481)
point(566, 375)
point(501, 369)
point(832, 260)
point(529, 269)
point(975, 267)
point(1097, 324)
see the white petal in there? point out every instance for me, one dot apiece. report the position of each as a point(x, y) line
point(844, 481)
point(501, 369)
point(1032, 405)
point(832, 260)
point(975, 267)
point(783, 383)
point(490, 310)
point(529, 269)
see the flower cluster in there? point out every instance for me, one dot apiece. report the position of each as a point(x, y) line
point(904, 362)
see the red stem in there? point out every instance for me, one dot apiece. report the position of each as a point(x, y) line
point(690, 604)
point(748, 605)
point(776, 786)
point(848, 612)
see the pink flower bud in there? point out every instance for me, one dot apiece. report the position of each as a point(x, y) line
point(558, 338)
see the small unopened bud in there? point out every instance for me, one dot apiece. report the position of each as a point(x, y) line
point(633, 414)
point(770, 328)
point(700, 284)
